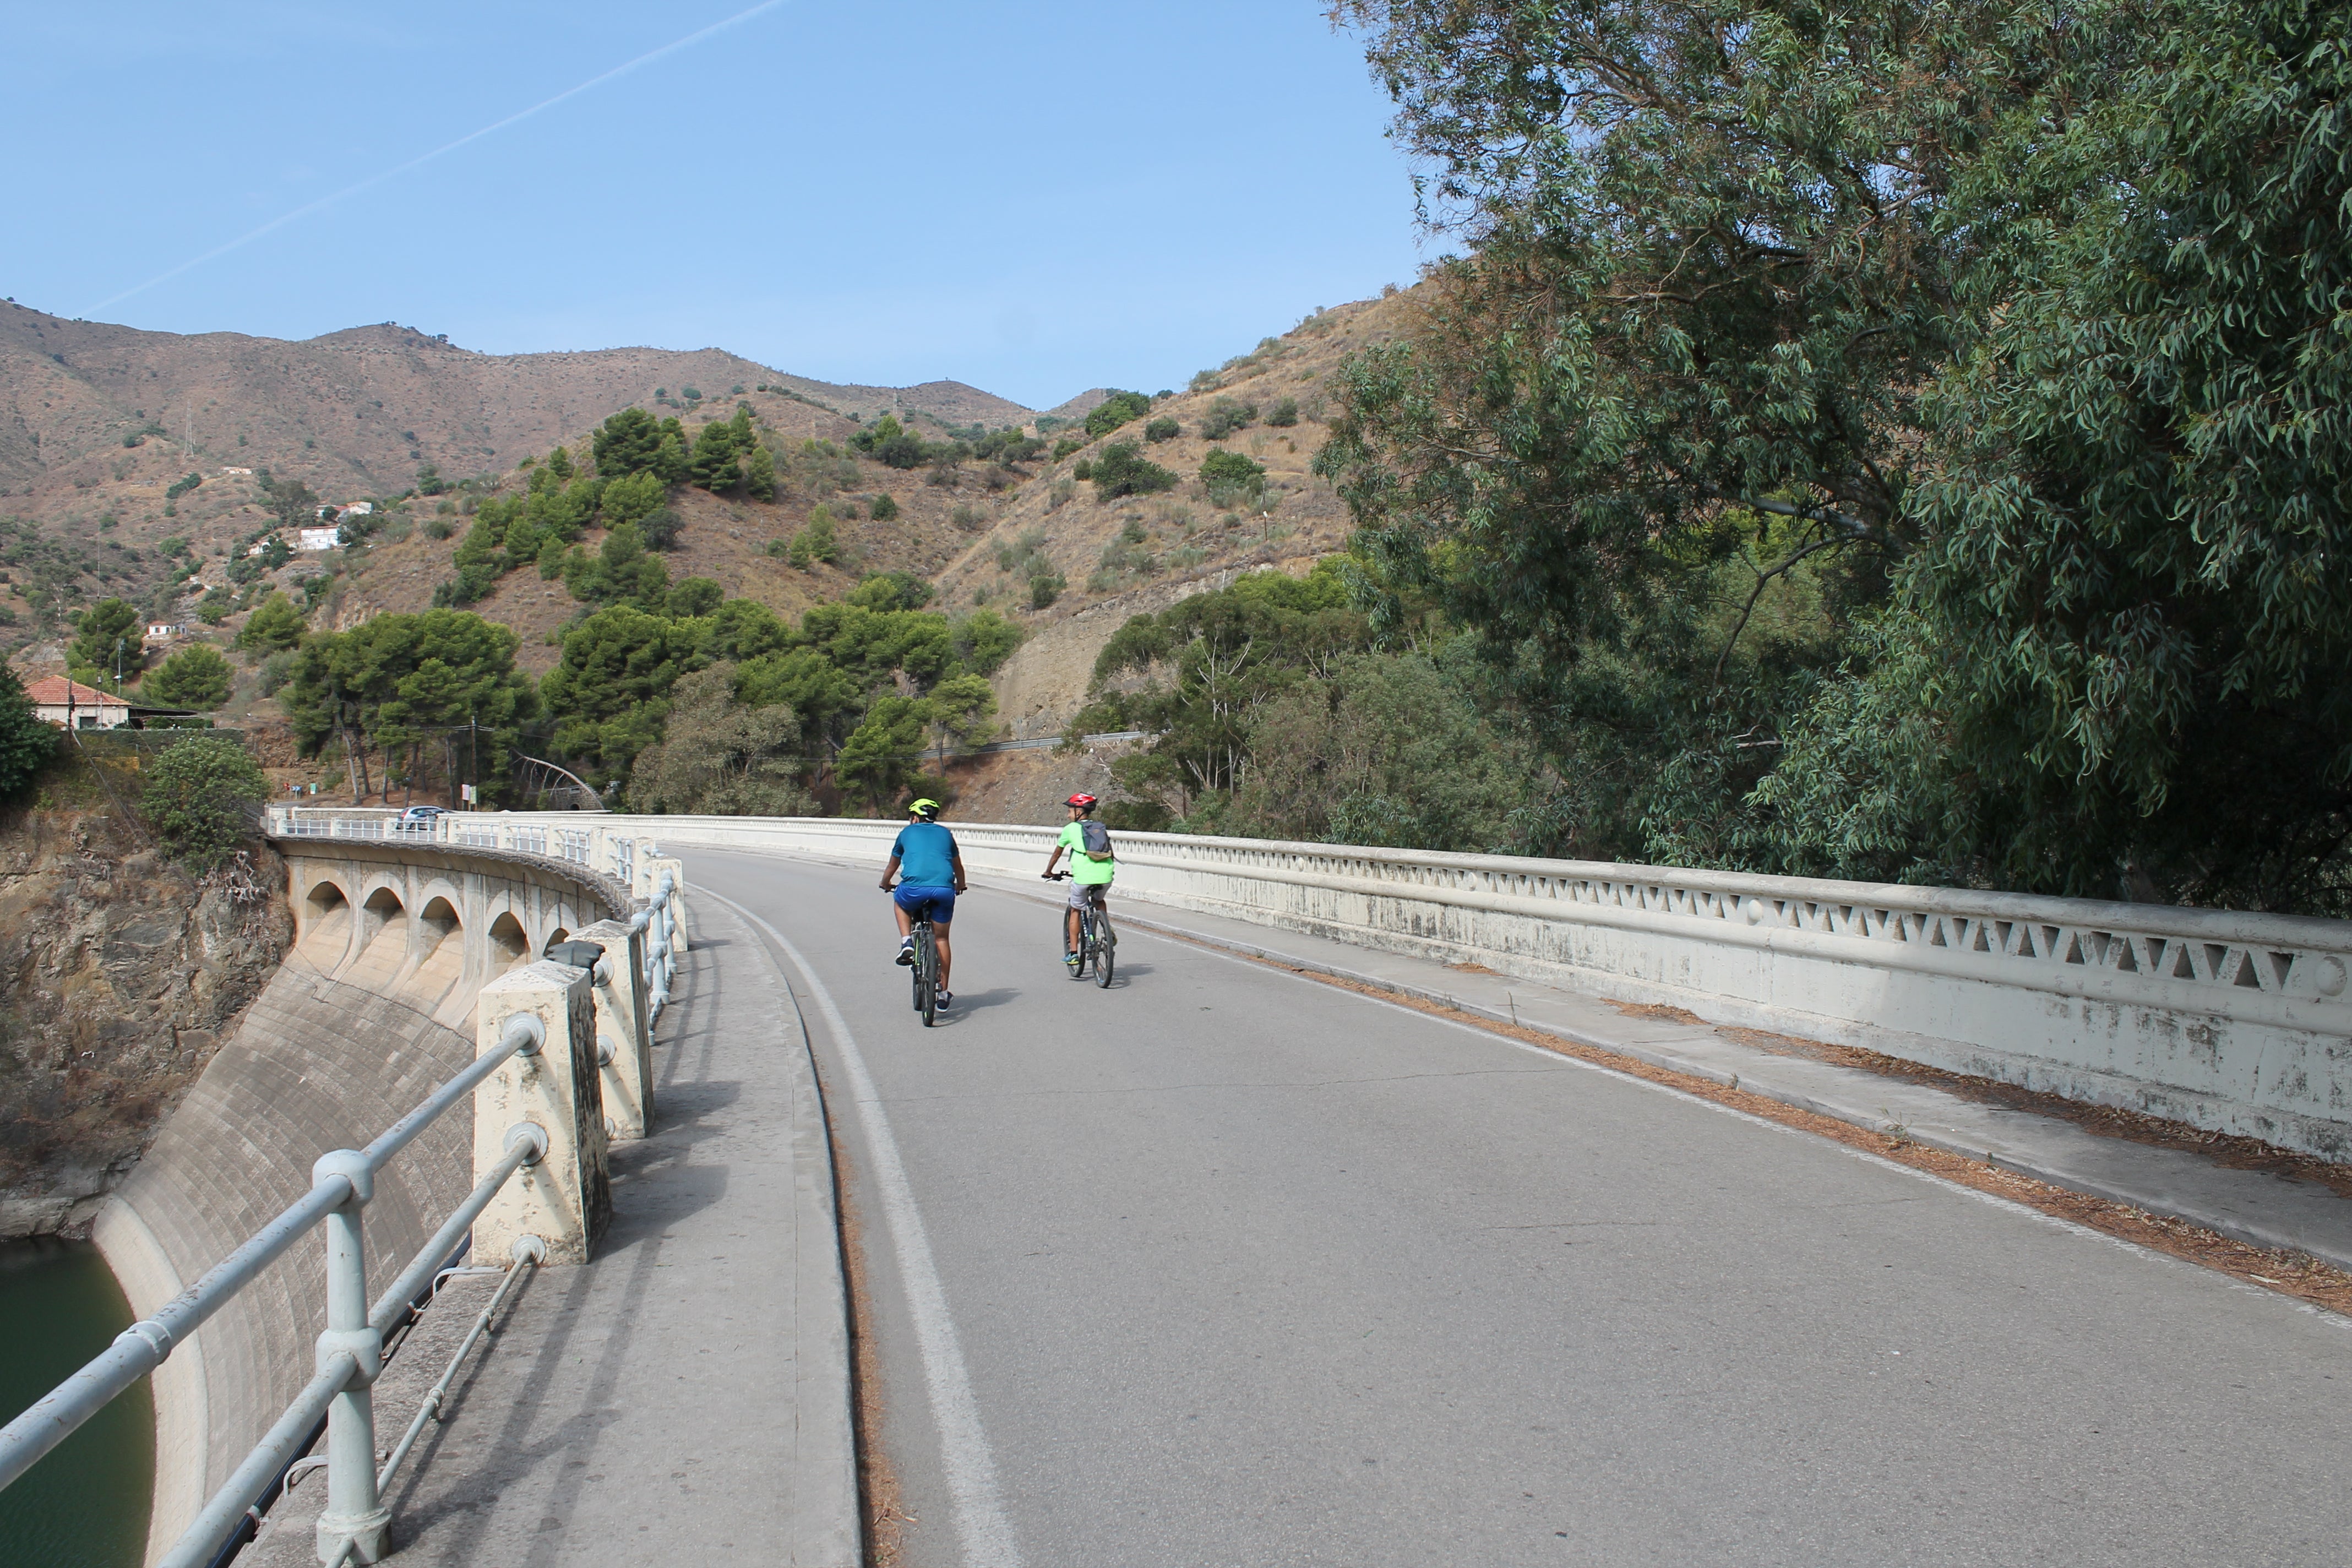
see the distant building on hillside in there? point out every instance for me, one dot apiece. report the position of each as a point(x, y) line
point(236, 470)
point(163, 631)
point(360, 508)
point(320, 538)
point(70, 705)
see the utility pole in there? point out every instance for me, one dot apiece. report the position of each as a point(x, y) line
point(118, 667)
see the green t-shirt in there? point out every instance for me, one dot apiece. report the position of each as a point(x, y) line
point(1088, 870)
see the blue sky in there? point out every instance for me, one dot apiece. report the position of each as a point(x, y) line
point(1033, 198)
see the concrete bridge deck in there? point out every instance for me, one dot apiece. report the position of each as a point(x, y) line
point(1223, 1266)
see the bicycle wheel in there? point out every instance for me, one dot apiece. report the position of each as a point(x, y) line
point(1105, 947)
point(927, 974)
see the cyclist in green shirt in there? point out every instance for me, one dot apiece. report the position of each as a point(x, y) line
point(1093, 863)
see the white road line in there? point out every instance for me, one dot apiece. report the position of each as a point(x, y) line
point(980, 1525)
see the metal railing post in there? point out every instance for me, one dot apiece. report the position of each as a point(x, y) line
point(355, 1521)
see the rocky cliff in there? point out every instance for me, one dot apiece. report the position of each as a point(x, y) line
point(119, 974)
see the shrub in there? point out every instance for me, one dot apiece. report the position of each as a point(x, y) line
point(1231, 478)
point(196, 796)
point(1025, 556)
point(1046, 587)
point(215, 606)
point(886, 591)
point(1285, 414)
point(1083, 472)
point(1115, 410)
point(196, 676)
point(1065, 445)
point(816, 542)
point(1060, 494)
point(883, 509)
point(276, 671)
point(438, 527)
point(1226, 415)
point(1163, 429)
point(1122, 469)
point(971, 519)
point(661, 528)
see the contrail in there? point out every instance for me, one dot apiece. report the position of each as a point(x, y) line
point(447, 147)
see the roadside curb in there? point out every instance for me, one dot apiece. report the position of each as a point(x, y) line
point(833, 1532)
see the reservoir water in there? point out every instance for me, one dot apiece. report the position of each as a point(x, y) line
point(84, 1505)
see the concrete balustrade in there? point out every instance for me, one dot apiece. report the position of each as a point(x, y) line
point(553, 1093)
point(624, 1040)
point(2235, 1022)
point(397, 938)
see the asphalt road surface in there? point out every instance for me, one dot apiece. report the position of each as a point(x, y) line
point(1225, 1267)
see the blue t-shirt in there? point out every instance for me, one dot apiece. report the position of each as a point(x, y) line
point(926, 853)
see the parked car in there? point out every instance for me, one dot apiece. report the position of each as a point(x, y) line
point(418, 820)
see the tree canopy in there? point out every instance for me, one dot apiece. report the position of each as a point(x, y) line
point(196, 676)
point(1929, 371)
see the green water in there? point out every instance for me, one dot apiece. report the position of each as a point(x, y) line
point(84, 1505)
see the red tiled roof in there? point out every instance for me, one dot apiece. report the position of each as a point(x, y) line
point(52, 692)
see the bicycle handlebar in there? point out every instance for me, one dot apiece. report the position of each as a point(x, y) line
point(1054, 876)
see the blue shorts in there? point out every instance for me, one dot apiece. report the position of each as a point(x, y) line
point(939, 903)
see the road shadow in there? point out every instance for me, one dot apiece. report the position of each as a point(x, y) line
point(979, 1002)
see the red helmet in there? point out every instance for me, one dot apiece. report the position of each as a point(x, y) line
point(1080, 800)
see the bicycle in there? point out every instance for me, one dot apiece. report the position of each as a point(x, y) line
point(926, 969)
point(1098, 942)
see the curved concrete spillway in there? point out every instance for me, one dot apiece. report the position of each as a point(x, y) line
point(372, 1009)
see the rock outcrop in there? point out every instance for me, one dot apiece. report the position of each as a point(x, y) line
point(120, 975)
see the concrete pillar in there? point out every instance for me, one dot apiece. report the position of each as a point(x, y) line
point(566, 1198)
point(620, 992)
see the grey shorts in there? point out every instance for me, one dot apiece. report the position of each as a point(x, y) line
point(1085, 893)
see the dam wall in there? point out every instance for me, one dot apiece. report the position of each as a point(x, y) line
point(372, 1006)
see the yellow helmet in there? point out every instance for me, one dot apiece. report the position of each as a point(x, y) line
point(929, 810)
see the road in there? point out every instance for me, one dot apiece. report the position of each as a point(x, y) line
point(1226, 1267)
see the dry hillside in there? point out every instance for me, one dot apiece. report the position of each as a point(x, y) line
point(355, 413)
point(1188, 544)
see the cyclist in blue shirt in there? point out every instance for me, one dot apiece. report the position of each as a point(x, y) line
point(929, 868)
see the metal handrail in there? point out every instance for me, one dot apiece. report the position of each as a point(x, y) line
point(349, 1350)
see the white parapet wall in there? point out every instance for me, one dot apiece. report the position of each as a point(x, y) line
point(2238, 1023)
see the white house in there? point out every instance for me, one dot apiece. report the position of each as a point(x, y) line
point(69, 704)
point(320, 538)
point(163, 631)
